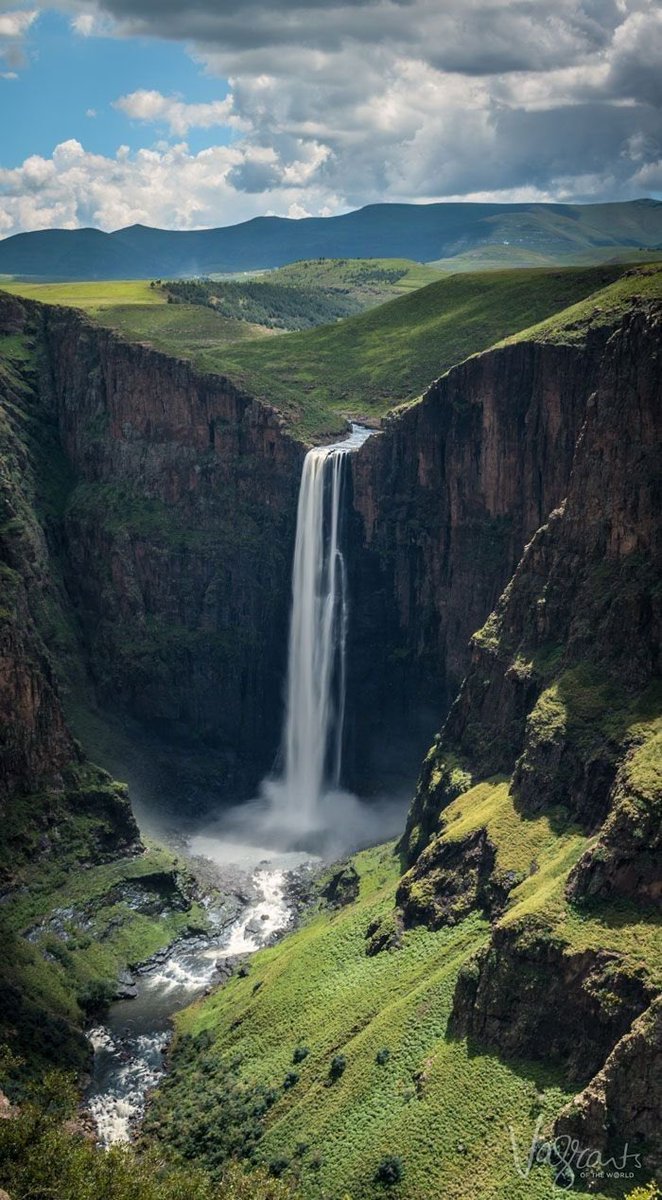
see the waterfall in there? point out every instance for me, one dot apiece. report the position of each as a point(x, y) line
point(315, 694)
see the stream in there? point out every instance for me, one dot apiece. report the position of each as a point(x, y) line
point(129, 1047)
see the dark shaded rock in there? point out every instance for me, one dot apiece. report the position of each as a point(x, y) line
point(447, 497)
point(623, 1102)
point(447, 880)
point(385, 933)
point(230, 965)
point(528, 995)
point(626, 861)
point(343, 887)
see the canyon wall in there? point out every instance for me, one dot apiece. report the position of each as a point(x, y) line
point(557, 723)
point(445, 500)
point(178, 534)
point(52, 800)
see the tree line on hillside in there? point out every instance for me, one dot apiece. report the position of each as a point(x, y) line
point(261, 303)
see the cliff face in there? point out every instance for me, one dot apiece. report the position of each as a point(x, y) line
point(178, 537)
point(36, 743)
point(553, 747)
point(446, 499)
point(52, 801)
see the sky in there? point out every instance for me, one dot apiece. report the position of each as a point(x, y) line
point(194, 113)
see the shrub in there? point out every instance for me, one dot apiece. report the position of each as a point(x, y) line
point(382, 1056)
point(278, 1166)
point(290, 1079)
point(338, 1065)
point(95, 996)
point(390, 1170)
point(300, 1053)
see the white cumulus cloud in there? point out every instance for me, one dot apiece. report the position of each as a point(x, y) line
point(154, 107)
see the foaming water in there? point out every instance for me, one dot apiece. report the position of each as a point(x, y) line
point(129, 1047)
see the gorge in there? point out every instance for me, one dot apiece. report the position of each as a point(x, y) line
point(495, 545)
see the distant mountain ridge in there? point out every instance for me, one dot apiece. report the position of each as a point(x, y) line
point(423, 232)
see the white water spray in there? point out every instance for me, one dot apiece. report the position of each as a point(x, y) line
point(315, 709)
point(305, 809)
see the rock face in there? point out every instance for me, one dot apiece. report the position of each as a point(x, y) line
point(624, 1095)
point(36, 743)
point(46, 785)
point(529, 997)
point(177, 541)
point(561, 670)
point(447, 497)
point(561, 699)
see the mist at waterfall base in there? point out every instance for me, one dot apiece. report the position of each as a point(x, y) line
point(305, 808)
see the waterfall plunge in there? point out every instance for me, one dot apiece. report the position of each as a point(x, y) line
point(305, 810)
point(313, 732)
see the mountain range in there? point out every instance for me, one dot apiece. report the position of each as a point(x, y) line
point(424, 232)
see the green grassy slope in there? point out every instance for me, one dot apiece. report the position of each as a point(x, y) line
point(497, 257)
point(363, 366)
point(305, 294)
point(357, 368)
point(141, 313)
point(602, 308)
point(444, 1108)
point(382, 278)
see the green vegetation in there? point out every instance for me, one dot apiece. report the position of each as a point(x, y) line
point(357, 368)
point(372, 280)
point(304, 294)
point(72, 921)
point(363, 366)
point(141, 313)
point(497, 257)
point(264, 303)
point(599, 310)
point(45, 1153)
point(406, 1092)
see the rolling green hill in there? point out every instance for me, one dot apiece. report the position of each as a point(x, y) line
point(361, 367)
point(364, 366)
point(142, 313)
point(368, 278)
point(305, 294)
point(423, 232)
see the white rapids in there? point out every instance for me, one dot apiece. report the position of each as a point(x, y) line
point(129, 1049)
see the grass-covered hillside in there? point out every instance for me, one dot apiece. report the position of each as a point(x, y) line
point(357, 368)
point(141, 312)
point(304, 294)
point(363, 366)
point(371, 279)
point(328, 1060)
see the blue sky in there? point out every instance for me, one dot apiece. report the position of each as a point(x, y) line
point(210, 112)
point(67, 75)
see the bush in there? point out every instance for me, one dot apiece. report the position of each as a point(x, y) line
point(95, 996)
point(338, 1065)
point(278, 1166)
point(290, 1079)
point(390, 1170)
point(382, 1056)
point(300, 1053)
